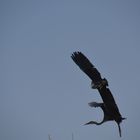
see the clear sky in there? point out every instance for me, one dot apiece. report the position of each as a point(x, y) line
point(43, 92)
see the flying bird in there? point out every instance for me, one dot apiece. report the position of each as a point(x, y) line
point(109, 106)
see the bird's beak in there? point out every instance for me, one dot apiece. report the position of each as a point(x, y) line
point(86, 123)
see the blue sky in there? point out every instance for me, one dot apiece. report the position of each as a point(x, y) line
point(43, 92)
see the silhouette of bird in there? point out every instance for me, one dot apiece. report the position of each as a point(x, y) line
point(109, 106)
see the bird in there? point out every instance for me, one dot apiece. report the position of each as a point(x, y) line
point(109, 106)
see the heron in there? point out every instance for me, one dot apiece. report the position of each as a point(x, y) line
point(109, 106)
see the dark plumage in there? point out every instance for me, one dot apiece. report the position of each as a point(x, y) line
point(109, 106)
point(107, 116)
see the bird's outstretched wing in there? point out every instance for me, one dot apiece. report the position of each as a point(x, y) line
point(86, 66)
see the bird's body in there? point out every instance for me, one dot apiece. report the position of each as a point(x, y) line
point(109, 105)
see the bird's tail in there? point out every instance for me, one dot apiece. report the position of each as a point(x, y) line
point(120, 133)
